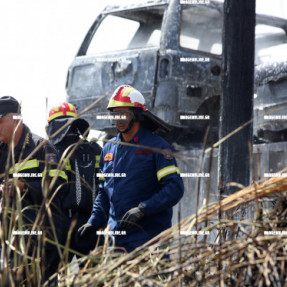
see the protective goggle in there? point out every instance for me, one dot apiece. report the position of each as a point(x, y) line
point(122, 117)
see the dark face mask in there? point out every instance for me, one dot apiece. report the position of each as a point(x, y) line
point(76, 128)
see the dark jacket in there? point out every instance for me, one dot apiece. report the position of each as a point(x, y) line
point(37, 172)
point(81, 168)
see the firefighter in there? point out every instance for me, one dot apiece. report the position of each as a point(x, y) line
point(138, 204)
point(81, 160)
point(31, 166)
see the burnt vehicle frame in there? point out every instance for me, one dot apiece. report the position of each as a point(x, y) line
point(173, 87)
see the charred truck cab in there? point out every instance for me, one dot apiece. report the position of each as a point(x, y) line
point(172, 53)
point(168, 51)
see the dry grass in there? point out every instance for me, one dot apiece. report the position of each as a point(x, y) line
point(236, 253)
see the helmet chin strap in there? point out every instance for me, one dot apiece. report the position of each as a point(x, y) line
point(131, 123)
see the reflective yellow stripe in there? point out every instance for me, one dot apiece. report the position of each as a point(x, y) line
point(97, 165)
point(56, 172)
point(67, 164)
point(56, 115)
point(167, 170)
point(59, 114)
point(127, 91)
point(22, 166)
point(71, 107)
point(114, 103)
point(72, 114)
point(99, 175)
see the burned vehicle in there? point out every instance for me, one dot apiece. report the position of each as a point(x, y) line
point(270, 103)
point(171, 52)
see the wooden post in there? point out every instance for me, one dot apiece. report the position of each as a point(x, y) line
point(237, 99)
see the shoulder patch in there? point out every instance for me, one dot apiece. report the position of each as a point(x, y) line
point(52, 158)
point(109, 157)
point(168, 154)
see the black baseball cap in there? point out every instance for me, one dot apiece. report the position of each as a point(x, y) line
point(9, 105)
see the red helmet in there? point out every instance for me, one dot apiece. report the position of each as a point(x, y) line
point(64, 109)
point(127, 96)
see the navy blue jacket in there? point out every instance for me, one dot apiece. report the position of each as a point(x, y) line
point(42, 165)
point(152, 179)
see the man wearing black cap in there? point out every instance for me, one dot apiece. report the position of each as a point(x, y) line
point(28, 171)
point(67, 132)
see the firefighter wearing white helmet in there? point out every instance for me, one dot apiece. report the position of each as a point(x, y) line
point(138, 204)
point(128, 97)
point(81, 168)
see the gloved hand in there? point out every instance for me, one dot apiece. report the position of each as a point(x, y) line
point(131, 217)
point(85, 231)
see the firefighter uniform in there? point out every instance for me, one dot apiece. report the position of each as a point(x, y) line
point(81, 163)
point(133, 176)
point(81, 190)
point(35, 172)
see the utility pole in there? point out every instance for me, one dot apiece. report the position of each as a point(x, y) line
point(237, 99)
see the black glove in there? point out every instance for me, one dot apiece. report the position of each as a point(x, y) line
point(131, 217)
point(85, 230)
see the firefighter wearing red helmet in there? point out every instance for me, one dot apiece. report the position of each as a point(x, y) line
point(137, 205)
point(68, 132)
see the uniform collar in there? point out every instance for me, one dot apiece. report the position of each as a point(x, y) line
point(137, 137)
